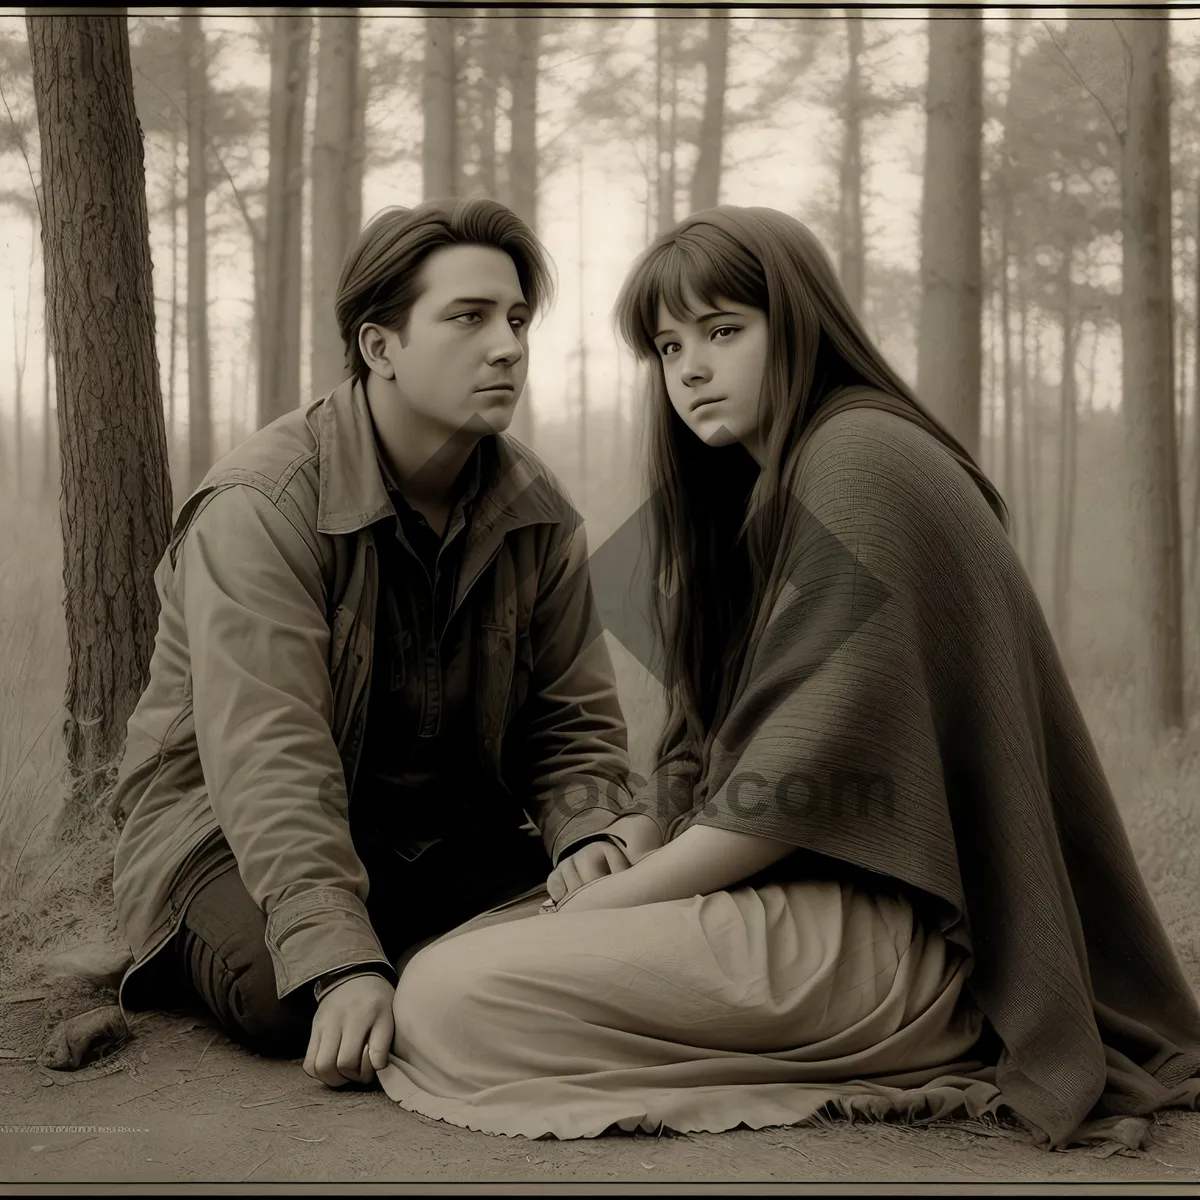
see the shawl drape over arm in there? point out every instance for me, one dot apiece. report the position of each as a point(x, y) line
point(905, 711)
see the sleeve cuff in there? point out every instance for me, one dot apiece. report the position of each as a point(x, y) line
point(326, 983)
point(585, 825)
point(322, 931)
point(579, 843)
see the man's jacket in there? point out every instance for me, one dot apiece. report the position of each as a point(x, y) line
point(252, 722)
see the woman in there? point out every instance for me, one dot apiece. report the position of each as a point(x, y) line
point(892, 879)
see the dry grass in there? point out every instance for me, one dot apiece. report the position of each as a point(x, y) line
point(55, 881)
point(33, 659)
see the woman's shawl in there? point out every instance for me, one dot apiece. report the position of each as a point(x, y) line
point(905, 712)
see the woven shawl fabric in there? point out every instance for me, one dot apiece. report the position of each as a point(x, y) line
point(905, 711)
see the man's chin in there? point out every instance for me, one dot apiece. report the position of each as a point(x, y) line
point(497, 416)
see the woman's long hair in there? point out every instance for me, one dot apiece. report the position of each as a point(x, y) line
point(716, 518)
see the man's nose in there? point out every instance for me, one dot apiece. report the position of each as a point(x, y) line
point(506, 347)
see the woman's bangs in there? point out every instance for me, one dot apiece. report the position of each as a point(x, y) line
point(668, 277)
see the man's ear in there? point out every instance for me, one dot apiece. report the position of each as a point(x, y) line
point(373, 345)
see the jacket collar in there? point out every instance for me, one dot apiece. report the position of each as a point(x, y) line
point(507, 492)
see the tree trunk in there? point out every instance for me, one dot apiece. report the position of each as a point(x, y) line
point(988, 447)
point(1183, 340)
point(523, 163)
point(948, 353)
point(337, 188)
point(523, 156)
point(1186, 350)
point(279, 358)
point(1147, 393)
point(1178, 387)
point(853, 252)
point(706, 180)
point(1089, 404)
point(20, 361)
point(583, 355)
point(1037, 437)
point(1194, 533)
point(440, 155)
point(489, 86)
point(673, 127)
point(116, 493)
point(174, 336)
point(200, 451)
point(1028, 407)
point(245, 413)
point(357, 166)
point(1007, 451)
point(18, 404)
point(1015, 33)
point(258, 260)
point(664, 156)
point(47, 424)
point(659, 138)
point(1067, 453)
point(648, 210)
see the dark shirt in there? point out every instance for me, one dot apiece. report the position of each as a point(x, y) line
point(422, 781)
point(419, 753)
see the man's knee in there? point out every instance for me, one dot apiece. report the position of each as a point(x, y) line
point(225, 958)
point(262, 1021)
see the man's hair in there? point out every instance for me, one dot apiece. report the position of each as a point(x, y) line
point(380, 280)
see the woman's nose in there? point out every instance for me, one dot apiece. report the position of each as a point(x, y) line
point(695, 370)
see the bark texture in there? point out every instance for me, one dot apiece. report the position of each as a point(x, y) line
point(337, 186)
point(279, 333)
point(948, 352)
point(1147, 396)
point(116, 493)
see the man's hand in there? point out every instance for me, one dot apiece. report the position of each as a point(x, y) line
point(639, 834)
point(590, 862)
point(351, 1032)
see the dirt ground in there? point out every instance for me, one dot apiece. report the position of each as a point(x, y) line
point(180, 1104)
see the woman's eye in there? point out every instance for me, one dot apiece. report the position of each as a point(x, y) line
point(469, 318)
point(725, 329)
point(666, 348)
point(518, 322)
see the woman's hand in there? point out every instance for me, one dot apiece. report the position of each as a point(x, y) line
point(701, 860)
point(613, 891)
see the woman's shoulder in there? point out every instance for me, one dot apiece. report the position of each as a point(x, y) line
point(884, 461)
point(864, 436)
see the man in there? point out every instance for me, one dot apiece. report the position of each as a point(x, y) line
point(377, 658)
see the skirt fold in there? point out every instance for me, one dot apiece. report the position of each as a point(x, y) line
point(752, 1007)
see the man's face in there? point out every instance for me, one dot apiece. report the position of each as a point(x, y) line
point(465, 350)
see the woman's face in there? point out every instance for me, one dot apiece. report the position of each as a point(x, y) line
point(713, 366)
